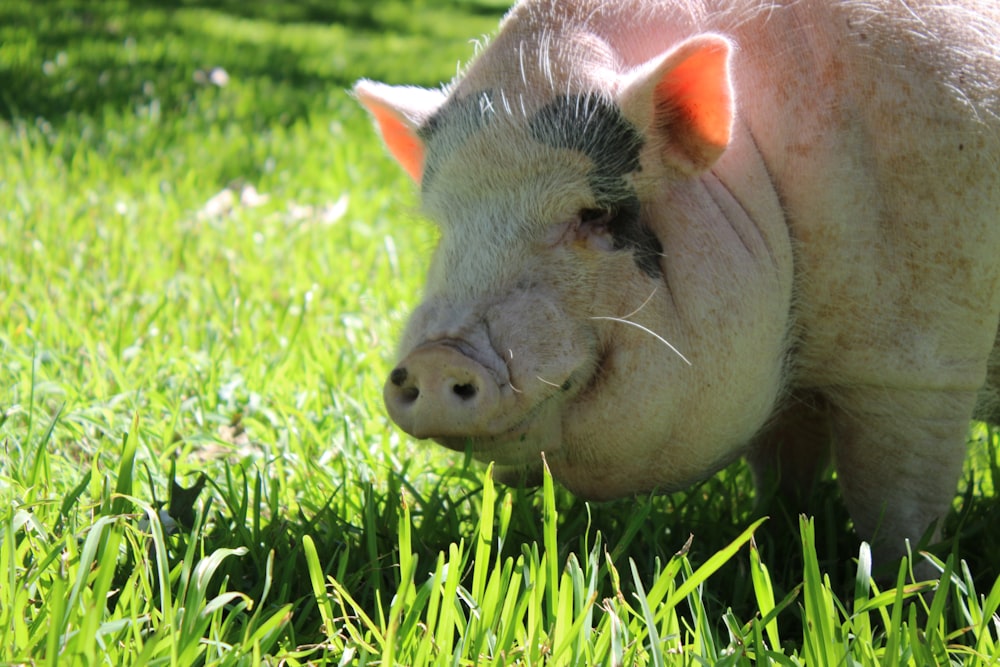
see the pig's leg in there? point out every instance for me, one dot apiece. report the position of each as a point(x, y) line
point(790, 454)
point(899, 455)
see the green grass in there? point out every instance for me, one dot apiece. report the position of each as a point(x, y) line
point(196, 466)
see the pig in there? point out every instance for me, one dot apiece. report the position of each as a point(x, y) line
point(677, 232)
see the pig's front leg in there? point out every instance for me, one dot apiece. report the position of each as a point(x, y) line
point(792, 451)
point(899, 456)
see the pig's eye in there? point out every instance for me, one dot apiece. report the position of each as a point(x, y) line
point(597, 219)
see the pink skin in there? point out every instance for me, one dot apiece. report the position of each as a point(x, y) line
point(823, 178)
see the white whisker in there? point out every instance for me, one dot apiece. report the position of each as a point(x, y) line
point(649, 331)
point(643, 305)
point(551, 384)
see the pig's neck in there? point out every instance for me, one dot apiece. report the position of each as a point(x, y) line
point(742, 186)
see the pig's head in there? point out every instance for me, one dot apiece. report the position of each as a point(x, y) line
point(574, 305)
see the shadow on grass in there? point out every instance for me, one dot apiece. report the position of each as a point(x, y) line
point(362, 553)
point(73, 58)
point(356, 13)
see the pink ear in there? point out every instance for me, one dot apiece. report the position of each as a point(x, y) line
point(691, 98)
point(399, 111)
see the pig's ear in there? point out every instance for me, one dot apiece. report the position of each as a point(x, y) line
point(686, 96)
point(399, 111)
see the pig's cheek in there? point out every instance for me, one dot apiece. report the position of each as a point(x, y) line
point(610, 430)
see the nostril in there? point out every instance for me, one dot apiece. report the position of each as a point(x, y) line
point(406, 392)
point(398, 376)
point(465, 391)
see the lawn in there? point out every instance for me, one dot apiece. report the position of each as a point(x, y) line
point(207, 256)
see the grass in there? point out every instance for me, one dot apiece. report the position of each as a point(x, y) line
point(200, 291)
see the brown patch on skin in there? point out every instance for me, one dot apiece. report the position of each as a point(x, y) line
point(834, 74)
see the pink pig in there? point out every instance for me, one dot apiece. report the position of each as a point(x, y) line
point(674, 232)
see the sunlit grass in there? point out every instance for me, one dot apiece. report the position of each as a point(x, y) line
point(206, 260)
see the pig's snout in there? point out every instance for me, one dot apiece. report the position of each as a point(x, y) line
point(437, 391)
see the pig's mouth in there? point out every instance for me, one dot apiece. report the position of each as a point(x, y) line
point(487, 446)
point(522, 442)
point(517, 451)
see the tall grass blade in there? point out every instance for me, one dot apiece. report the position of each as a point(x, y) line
point(764, 593)
point(712, 565)
point(126, 468)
